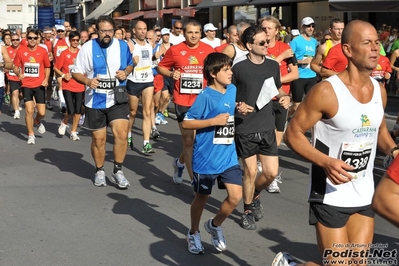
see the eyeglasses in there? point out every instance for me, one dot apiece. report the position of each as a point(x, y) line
point(60, 31)
point(74, 40)
point(33, 38)
point(262, 43)
point(177, 28)
point(310, 25)
point(111, 31)
point(15, 40)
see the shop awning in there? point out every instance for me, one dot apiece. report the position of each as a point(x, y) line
point(217, 3)
point(364, 5)
point(105, 8)
point(131, 16)
point(182, 12)
point(72, 9)
point(265, 2)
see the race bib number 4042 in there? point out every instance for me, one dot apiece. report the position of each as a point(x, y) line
point(357, 155)
point(225, 134)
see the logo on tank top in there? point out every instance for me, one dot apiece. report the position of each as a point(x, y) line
point(366, 130)
point(193, 60)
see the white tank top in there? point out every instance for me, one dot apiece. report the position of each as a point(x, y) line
point(2, 83)
point(142, 72)
point(351, 135)
point(238, 54)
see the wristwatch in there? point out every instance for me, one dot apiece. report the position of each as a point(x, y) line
point(394, 149)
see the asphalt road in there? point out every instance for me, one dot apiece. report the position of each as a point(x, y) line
point(52, 214)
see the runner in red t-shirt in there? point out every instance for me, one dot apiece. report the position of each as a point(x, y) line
point(382, 72)
point(32, 67)
point(184, 63)
point(13, 80)
point(49, 43)
point(72, 90)
point(334, 63)
point(283, 54)
point(386, 196)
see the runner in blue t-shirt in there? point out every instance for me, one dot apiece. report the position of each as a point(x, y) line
point(214, 153)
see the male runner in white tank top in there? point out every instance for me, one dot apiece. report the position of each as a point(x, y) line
point(346, 114)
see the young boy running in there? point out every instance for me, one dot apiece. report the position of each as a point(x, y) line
point(214, 154)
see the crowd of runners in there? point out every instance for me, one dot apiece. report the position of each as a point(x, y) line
point(232, 99)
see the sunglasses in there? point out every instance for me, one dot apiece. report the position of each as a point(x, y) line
point(32, 38)
point(15, 40)
point(60, 31)
point(327, 39)
point(310, 25)
point(74, 40)
point(262, 43)
point(178, 28)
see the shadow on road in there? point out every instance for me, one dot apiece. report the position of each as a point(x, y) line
point(171, 249)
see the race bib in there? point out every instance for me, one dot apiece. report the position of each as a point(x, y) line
point(11, 72)
point(60, 49)
point(105, 84)
point(191, 83)
point(70, 68)
point(357, 155)
point(142, 73)
point(225, 134)
point(31, 70)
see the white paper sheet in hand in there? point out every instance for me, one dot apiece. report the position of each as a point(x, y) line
point(267, 92)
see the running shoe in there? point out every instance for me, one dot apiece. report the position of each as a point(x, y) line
point(62, 128)
point(194, 243)
point(166, 113)
point(99, 179)
point(148, 149)
point(248, 221)
point(178, 172)
point(162, 119)
point(217, 238)
point(81, 120)
point(31, 140)
point(273, 187)
point(17, 115)
point(40, 128)
point(74, 136)
point(157, 119)
point(120, 179)
point(130, 142)
point(259, 166)
point(284, 259)
point(257, 209)
point(155, 133)
point(49, 106)
point(7, 99)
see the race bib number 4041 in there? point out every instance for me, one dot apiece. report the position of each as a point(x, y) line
point(357, 155)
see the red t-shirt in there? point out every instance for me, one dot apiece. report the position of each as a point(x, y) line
point(10, 74)
point(190, 63)
point(24, 42)
point(220, 48)
point(393, 170)
point(383, 66)
point(49, 45)
point(274, 52)
point(60, 45)
point(335, 59)
point(32, 64)
point(64, 63)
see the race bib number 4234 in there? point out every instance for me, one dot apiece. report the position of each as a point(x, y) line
point(191, 83)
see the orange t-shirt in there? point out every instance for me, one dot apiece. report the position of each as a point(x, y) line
point(190, 63)
point(32, 64)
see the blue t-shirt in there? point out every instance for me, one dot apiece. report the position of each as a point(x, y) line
point(304, 48)
point(210, 158)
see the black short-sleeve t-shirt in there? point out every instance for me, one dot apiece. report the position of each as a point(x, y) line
point(249, 78)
